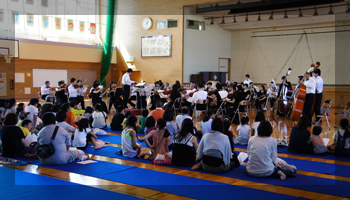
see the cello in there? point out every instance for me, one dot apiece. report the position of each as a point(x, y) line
point(299, 100)
point(284, 96)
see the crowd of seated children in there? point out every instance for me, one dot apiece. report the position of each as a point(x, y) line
point(118, 119)
point(262, 154)
point(215, 151)
point(83, 136)
point(243, 131)
point(185, 145)
point(142, 120)
point(260, 116)
point(299, 137)
point(130, 147)
point(207, 120)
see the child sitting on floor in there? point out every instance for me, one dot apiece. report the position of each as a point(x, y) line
point(207, 120)
point(260, 116)
point(118, 119)
point(99, 117)
point(127, 114)
point(317, 141)
point(22, 116)
point(341, 139)
point(60, 117)
point(243, 131)
point(84, 135)
point(149, 124)
point(130, 148)
point(142, 120)
point(26, 127)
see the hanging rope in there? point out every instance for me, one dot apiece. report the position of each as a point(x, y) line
point(268, 65)
point(308, 46)
point(245, 63)
point(275, 78)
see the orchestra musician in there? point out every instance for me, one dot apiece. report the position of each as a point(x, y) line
point(200, 95)
point(262, 98)
point(209, 85)
point(61, 91)
point(288, 85)
point(172, 96)
point(215, 97)
point(232, 104)
point(141, 97)
point(310, 84)
point(247, 79)
point(114, 97)
point(46, 90)
point(97, 92)
point(73, 92)
point(80, 93)
point(249, 93)
point(133, 95)
point(272, 93)
point(155, 97)
point(126, 86)
point(319, 90)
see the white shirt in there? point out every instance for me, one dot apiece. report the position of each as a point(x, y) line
point(247, 81)
point(262, 153)
point(66, 126)
point(243, 134)
point(80, 138)
point(72, 91)
point(216, 140)
point(255, 127)
point(199, 95)
point(45, 90)
point(206, 126)
point(99, 119)
point(126, 79)
point(319, 84)
point(127, 149)
point(310, 86)
point(180, 119)
point(33, 111)
point(82, 91)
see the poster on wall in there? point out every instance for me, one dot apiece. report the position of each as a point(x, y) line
point(156, 46)
point(58, 23)
point(92, 28)
point(3, 85)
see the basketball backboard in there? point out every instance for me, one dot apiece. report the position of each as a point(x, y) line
point(9, 46)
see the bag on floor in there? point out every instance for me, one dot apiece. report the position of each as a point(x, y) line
point(31, 138)
point(98, 131)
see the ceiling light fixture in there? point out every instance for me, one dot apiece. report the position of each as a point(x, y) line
point(330, 10)
point(246, 18)
point(234, 19)
point(315, 12)
point(223, 20)
point(300, 14)
point(271, 16)
point(259, 18)
point(285, 15)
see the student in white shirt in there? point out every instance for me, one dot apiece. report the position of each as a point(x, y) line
point(243, 131)
point(33, 111)
point(247, 79)
point(126, 86)
point(99, 117)
point(260, 116)
point(73, 92)
point(310, 95)
point(180, 118)
point(60, 117)
point(80, 94)
point(84, 135)
point(319, 90)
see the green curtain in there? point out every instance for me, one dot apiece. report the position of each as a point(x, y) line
point(108, 45)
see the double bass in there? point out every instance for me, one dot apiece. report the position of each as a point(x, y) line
point(285, 95)
point(299, 99)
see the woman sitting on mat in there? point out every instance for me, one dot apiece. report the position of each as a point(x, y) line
point(61, 143)
point(299, 137)
point(130, 148)
point(161, 139)
point(185, 145)
point(215, 150)
point(262, 154)
point(149, 124)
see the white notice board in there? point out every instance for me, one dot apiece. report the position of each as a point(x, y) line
point(52, 75)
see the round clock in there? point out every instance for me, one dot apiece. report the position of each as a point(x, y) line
point(147, 23)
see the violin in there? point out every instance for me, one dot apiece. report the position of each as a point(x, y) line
point(212, 92)
point(78, 86)
point(167, 91)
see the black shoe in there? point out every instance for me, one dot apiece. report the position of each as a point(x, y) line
point(120, 152)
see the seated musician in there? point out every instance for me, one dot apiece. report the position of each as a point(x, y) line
point(167, 86)
point(215, 97)
point(238, 97)
point(96, 94)
point(46, 90)
point(155, 97)
point(133, 95)
point(172, 96)
point(247, 91)
point(262, 98)
point(199, 95)
point(61, 91)
point(80, 93)
point(272, 92)
point(114, 99)
point(209, 85)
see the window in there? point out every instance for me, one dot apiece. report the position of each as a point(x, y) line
point(194, 24)
point(172, 23)
point(77, 21)
point(161, 24)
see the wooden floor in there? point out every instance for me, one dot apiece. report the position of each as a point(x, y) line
point(281, 128)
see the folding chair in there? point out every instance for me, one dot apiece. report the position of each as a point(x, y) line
point(244, 104)
point(197, 107)
point(177, 101)
point(345, 113)
point(324, 110)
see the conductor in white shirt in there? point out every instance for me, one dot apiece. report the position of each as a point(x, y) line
point(319, 90)
point(310, 95)
point(126, 86)
point(45, 90)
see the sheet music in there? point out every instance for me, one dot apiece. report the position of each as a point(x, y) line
point(223, 94)
point(140, 84)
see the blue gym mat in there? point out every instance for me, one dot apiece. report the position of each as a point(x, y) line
point(171, 183)
point(17, 184)
point(109, 130)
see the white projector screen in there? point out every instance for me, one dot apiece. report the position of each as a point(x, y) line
point(52, 75)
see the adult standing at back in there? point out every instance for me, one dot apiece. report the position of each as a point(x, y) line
point(319, 90)
point(126, 86)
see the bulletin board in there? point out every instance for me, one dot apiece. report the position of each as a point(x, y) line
point(3, 84)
